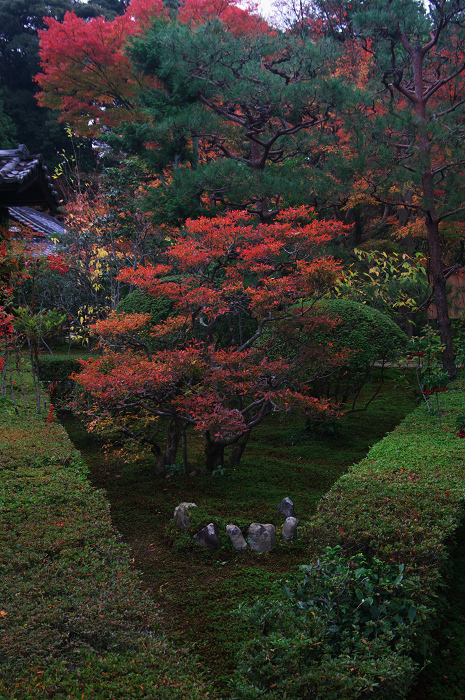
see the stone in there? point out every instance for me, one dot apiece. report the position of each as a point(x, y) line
point(290, 529)
point(181, 515)
point(236, 537)
point(286, 508)
point(261, 538)
point(208, 537)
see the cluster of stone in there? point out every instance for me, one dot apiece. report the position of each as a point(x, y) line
point(260, 537)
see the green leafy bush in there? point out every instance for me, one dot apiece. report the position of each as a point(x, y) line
point(344, 627)
point(138, 302)
point(359, 621)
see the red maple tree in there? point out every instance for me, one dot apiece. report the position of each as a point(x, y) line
point(239, 21)
point(85, 72)
point(238, 288)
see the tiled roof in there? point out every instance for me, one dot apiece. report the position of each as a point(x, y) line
point(37, 220)
point(24, 180)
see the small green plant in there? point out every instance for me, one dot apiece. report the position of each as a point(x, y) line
point(431, 378)
point(224, 471)
point(175, 469)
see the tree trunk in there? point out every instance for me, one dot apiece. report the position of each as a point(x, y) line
point(159, 458)
point(172, 441)
point(425, 143)
point(238, 449)
point(184, 449)
point(440, 297)
point(214, 453)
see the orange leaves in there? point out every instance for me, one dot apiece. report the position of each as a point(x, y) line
point(86, 74)
point(225, 272)
point(145, 277)
point(231, 258)
point(120, 324)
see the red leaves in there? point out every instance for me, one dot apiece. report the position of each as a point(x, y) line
point(85, 68)
point(240, 22)
point(56, 263)
point(117, 325)
point(272, 265)
point(224, 267)
point(51, 414)
point(85, 72)
point(5, 322)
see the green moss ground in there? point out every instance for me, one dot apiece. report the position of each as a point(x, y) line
point(75, 622)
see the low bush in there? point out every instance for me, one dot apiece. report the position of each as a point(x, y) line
point(57, 369)
point(74, 619)
point(358, 621)
point(138, 302)
point(369, 335)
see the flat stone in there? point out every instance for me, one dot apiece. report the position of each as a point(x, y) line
point(208, 537)
point(290, 529)
point(181, 515)
point(236, 537)
point(261, 538)
point(286, 508)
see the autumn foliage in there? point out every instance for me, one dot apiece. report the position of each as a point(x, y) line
point(238, 288)
point(86, 74)
point(239, 21)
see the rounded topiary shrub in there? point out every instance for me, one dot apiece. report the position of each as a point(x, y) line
point(370, 337)
point(159, 308)
point(138, 302)
point(374, 335)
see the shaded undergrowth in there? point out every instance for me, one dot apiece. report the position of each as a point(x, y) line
point(197, 589)
point(444, 678)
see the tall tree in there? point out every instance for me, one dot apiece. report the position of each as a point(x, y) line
point(412, 152)
point(256, 115)
point(20, 21)
point(86, 76)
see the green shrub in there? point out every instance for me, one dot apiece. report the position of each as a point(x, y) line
point(344, 627)
point(389, 517)
point(138, 302)
point(74, 621)
point(57, 369)
point(370, 337)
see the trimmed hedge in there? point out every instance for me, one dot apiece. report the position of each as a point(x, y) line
point(368, 334)
point(74, 619)
point(53, 368)
point(139, 302)
point(399, 507)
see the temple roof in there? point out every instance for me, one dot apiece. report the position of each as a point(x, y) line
point(36, 220)
point(24, 180)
